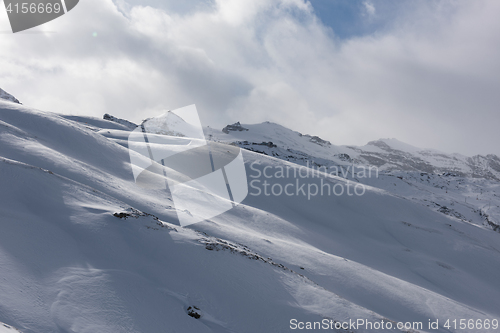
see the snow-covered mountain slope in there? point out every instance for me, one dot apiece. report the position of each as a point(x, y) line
point(474, 200)
point(69, 265)
point(8, 97)
point(84, 249)
point(464, 187)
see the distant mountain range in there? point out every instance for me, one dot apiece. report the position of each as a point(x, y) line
point(386, 154)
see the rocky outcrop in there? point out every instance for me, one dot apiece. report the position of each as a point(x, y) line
point(234, 127)
point(5, 95)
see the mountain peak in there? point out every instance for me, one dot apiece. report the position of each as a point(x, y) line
point(234, 127)
point(394, 144)
point(170, 123)
point(5, 95)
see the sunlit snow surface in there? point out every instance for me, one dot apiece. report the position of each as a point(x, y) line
point(68, 265)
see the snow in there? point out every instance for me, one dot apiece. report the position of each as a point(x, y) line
point(397, 145)
point(69, 265)
point(97, 124)
point(174, 124)
point(386, 154)
point(126, 123)
point(8, 97)
point(4, 328)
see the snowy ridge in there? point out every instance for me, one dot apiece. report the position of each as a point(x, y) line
point(5, 95)
point(124, 122)
point(4, 328)
point(386, 154)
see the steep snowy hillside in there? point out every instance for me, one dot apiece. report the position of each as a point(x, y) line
point(84, 249)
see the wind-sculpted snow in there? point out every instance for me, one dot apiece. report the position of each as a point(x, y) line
point(70, 263)
point(84, 249)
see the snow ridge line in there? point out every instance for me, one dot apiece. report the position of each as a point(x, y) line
point(4, 327)
point(25, 165)
point(68, 180)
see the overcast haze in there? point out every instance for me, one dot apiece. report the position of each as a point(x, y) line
point(424, 72)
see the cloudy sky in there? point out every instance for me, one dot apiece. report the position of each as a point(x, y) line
point(350, 71)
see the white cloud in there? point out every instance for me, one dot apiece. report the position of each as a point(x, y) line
point(369, 7)
point(431, 81)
